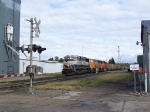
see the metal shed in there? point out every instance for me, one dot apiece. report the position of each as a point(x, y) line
point(9, 34)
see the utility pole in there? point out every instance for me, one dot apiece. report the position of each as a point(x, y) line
point(118, 55)
point(39, 57)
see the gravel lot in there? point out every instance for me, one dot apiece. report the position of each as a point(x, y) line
point(109, 97)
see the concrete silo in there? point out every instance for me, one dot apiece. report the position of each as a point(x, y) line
point(9, 34)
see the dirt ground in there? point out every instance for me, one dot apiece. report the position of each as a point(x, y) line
point(109, 97)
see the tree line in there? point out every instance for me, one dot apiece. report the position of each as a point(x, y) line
point(111, 61)
point(56, 58)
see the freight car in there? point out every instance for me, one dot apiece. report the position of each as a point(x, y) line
point(75, 65)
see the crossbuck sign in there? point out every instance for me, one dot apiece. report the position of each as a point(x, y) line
point(37, 29)
point(134, 67)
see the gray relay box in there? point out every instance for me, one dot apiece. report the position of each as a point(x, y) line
point(35, 69)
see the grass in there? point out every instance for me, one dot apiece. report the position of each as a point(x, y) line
point(10, 83)
point(116, 77)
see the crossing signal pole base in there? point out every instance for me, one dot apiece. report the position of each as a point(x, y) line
point(31, 90)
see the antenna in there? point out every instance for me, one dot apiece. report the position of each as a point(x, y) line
point(118, 55)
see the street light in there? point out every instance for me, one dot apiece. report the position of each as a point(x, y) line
point(137, 43)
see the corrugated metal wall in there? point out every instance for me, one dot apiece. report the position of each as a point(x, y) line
point(9, 14)
point(146, 46)
point(48, 67)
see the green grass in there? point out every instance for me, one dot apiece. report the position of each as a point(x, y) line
point(94, 82)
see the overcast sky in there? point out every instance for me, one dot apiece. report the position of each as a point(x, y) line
point(92, 28)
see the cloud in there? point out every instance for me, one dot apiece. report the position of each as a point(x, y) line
point(94, 28)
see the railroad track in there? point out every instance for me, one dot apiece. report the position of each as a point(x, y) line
point(45, 80)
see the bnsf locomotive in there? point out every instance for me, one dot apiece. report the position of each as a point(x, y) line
point(75, 65)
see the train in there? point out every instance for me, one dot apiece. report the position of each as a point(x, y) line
point(76, 65)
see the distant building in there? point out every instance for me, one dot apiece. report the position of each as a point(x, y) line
point(48, 66)
point(33, 58)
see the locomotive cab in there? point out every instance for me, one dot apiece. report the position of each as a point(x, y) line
point(69, 61)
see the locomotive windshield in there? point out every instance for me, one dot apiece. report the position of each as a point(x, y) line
point(70, 58)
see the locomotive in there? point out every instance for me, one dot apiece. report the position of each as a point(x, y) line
point(76, 65)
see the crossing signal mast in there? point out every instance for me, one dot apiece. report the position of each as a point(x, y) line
point(32, 47)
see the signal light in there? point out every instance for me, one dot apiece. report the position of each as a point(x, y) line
point(38, 48)
point(28, 49)
point(21, 48)
point(41, 49)
point(35, 47)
